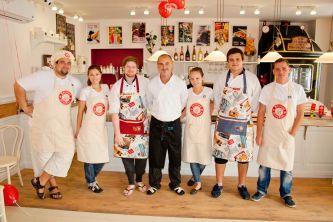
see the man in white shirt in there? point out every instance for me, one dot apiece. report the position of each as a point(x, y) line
point(282, 103)
point(166, 96)
point(236, 95)
point(51, 133)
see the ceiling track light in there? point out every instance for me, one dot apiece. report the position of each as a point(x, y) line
point(75, 16)
point(298, 11)
point(201, 11)
point(257, 12)
point(313, 12)
point(61, 11)
point(242, 11)
point(132, 12)
point(146, 12)
point(80, 19)
point(54, 8)
point(187, 11)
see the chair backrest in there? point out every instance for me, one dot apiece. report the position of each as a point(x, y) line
point(11, 137)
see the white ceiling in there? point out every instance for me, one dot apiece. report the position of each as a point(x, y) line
point(111, 9)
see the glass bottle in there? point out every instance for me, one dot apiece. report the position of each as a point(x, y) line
point(194, 54)
point(200, 54)
point(181, 55)
point(206, 54)
point(187, 54)
point(175, 55)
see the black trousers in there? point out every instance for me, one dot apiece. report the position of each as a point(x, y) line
point(134, 167)
point(163, 137)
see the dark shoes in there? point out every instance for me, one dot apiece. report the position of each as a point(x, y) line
point(55, 195)
point(195, 190)
point(288, 200)
point(217, 191)
point(151, 190)
point(190, 182)
point(179, 191)
point(95, 188)
point(36, 184)
point(257, 196)
point(243, 192)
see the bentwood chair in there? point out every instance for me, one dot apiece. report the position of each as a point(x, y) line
point(11, 137)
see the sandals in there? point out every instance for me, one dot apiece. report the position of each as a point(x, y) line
point(142, 187)
point(195, 190)
point(151, 190)
point(37, 186)
point(129, 191)
point(179, 191)
point(55, 195)
point(94, 187)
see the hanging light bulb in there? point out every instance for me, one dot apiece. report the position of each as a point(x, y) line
point(146, 12)
point(242, 11)
point(54, 8)
point(132, 12)
point(201, 11)
point(187, 11)
point(75, 16)
point(61, 11)
point(298, 11)
point(313, 12)
point(257, 12)
point(80, 19)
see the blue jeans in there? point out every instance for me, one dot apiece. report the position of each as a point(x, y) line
point(286, 179)
point(91, 170)
point(197, 169)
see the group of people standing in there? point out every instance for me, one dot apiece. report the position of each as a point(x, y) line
point(139, 136)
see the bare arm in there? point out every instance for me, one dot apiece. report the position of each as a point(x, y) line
point(298, 119)
point(260, 123)
point(211, 107)
point(21, 99)
point(82, 105)
point(117, 136)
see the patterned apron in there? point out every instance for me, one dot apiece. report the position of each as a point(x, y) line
point(233, 137)
point(278, 148)
point(92, 141)
point(52, 137)
point(133, 125)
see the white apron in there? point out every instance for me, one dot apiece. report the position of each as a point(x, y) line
point(233, 137)
point(278, 148)
point(92, 141)
point(197, 146)
point(52, 138)
point(132, 118)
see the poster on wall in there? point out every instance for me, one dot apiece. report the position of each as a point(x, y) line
point(70, 33)
point(138, 32)
point(185, 31)
point(60, 25)
point(221, 32)
point(239, 35)
point(203, 35)
point(167, 35)
point(115, 34)
point(93, 33)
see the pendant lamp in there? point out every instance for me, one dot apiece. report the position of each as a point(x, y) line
point(327, 57)
point(273, 55)
point(217, 55)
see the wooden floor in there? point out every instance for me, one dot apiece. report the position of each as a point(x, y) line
point(314, 199)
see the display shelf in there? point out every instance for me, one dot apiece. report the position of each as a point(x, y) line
point(47, 39)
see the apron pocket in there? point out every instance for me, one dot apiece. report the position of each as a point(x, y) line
point(232, 126)
point(131, 127)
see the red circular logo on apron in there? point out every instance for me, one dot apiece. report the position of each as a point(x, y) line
point(196, 109)
point(99, 109)
point(65, 97)
point(279, 111)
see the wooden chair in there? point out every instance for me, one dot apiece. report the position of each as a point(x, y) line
point(11, 137)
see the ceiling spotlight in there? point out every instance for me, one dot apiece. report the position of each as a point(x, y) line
point(257, 12)
point(61, 11)
point(54, 8)
point(80, 19)
point(187, 11)
point(146, 12)
point(75, 16)
point(313, 12)
point(201, 11)
point(242, 11)
point(298, 12)
point(132, 12)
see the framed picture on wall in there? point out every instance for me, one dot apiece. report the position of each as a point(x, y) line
point(239, 35)
point(221, 32)
point(46, 60)
point(60, 24)
point(167, 35)
point(92, 33)
point(70, 33)
point(185, 31)
point(203, 35)
point(138, 32)
point(115, 35)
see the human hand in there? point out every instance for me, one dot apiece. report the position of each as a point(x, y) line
point(259, 140)
point(28, 110)
point(118, 139)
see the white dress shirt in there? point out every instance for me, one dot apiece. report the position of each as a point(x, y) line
point(253, 88)
point(166, 101)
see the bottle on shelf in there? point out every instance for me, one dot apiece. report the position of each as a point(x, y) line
point(200, 54)
point(194, 54)
point(175, 55)
point(181, 55)
point(187, 54)
point(206, 54)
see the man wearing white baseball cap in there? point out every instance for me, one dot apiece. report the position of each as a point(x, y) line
point(51, 133)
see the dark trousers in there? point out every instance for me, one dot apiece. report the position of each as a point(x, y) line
point(134, 167)
point(91, 170)
point(163, 137)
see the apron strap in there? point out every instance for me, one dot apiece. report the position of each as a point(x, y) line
point(244, 80)
point(122, 84)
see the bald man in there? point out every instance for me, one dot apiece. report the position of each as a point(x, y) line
point(51, 133)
